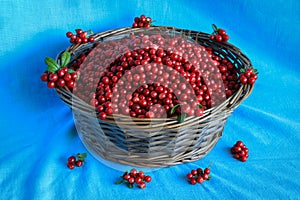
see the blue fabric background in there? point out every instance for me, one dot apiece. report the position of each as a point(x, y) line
point(37, 131)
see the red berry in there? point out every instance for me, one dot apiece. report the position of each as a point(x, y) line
point(91, 39)
point(44, 77)
point(206, 170)
point(60, 82)
point(53, 77)
point(69, 34)
point(102, 115)
point(200, 179)
point(141, 174)
point(138, 180)
point(221, 31)
point(67, 77)
point(78, 40)
point(225, 38)
point(205, 176)
point(193, 181)
point(133, 172)
point(51, 84)
point(70, 165)
point(71, 159)
point(131, 180)
point(79, 31)
point(243, 158)
point(60, 72)
point(78, 163)
point(189, 175)
point(218, 38)
point(127, 177)
point(200, 171)
point(147, 179)
point(251, 81)
point(142, 185)
point(243, 79)
point(194, 172)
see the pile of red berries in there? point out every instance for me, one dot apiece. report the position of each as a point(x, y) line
point(240, 151)
point(184, 73)
point(78, 162)
point(249, 76)
point(57, 74)
point(142, 22)
point(80, 36)
point(219, 34)
point(135, 177)
point(198, 175)
point(60, 78)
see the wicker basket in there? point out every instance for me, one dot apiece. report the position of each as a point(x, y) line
point(155, 142)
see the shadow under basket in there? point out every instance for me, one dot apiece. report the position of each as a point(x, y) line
point(156, 142)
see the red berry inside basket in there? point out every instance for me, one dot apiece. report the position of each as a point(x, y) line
point(175, 78)
point(198, 175)
point(240, 151)
point(133, 177)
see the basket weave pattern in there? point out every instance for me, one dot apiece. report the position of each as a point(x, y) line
point(155, 142)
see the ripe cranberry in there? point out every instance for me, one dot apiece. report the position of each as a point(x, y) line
point(51, 84)
point(71, 159)
point(131, 180)
point(200, 179)
point(193, 181)
point(60, 82)
point(142, 185)
point(70, 165)
point(206, 170)
point(147, 179)
point(44, 77)
point(69, 34)
point(78, 163)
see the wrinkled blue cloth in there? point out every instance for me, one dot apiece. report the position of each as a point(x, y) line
point(37, 132)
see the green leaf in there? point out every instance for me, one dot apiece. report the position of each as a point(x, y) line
point(52, 65)
point(81, 156)
point(172, 111)
point(71, 71)
point(200, 106)
point(120, 182)
point(130, 185)
point(181, 117)
point(215, 28)
point(65, 58)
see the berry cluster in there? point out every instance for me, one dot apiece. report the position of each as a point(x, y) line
point(80, 37)
point(198, 175)
point(240, 151)
point(219, 34)
point(249, 76)
point(135, 177)
point(142, 22)
point(60, 78)
point(78, 162)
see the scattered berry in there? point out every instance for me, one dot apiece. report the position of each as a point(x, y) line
point(134, 177)
point(198, 175)
point(240, 151)
point(76, 161)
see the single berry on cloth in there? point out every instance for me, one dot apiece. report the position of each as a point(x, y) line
point(199, 175)
point(76, 161)
point(240, 151)
point(133, 177)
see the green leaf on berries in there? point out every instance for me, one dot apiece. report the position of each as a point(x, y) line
point(52, 65)
point(255, 71)
point(181, 118)
point(65, 58)
point(71, 71)
point(215, 28)
point(172, 111)
point(200, 106)
point(209, 177)
point(81, 156)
